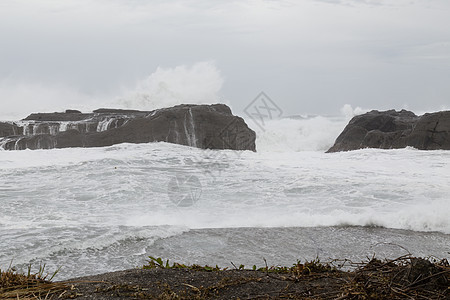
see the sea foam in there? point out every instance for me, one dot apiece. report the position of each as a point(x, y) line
point(95, 206)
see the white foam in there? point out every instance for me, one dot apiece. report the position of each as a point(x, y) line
point(390, 188)
point(80, 239)
point(405, 189)
point(75, 200)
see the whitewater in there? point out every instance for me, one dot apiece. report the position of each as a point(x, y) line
point(97, 210)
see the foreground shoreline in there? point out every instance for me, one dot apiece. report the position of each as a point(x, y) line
point(406, 277)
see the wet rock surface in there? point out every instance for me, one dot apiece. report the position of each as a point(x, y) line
point(395, 129)
point(202, 126)
point(8, 129)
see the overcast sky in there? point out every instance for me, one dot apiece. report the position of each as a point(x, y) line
point(309, 56)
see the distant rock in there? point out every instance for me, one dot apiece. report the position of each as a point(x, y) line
point(72, 111)
point(117, 111)
point(201, 126)
point(395, 129)
point(8, 129)
point(56, 116)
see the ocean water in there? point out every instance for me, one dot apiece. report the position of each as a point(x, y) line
point(97, 210)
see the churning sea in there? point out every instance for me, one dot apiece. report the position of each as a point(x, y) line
point(89, 211)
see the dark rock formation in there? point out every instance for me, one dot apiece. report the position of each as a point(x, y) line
point(72, 111)
point(8, 129)
point(118, 111)
point(392, 129)
point(47, 117)
point(202, 126)
point(431, 132)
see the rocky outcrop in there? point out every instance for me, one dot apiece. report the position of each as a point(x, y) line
point(395, 129)
point(202, 126)
point(8, 129)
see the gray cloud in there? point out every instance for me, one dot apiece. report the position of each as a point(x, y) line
point(310, 56)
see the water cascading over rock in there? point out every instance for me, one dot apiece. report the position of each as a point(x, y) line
point(202, 126)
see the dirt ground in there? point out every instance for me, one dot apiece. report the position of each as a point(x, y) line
point(402, 278)
point(196, 284)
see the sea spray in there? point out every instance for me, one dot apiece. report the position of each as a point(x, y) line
point(199, 83)
point(315, 133)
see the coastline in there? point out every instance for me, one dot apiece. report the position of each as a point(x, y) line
point(279, 246)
